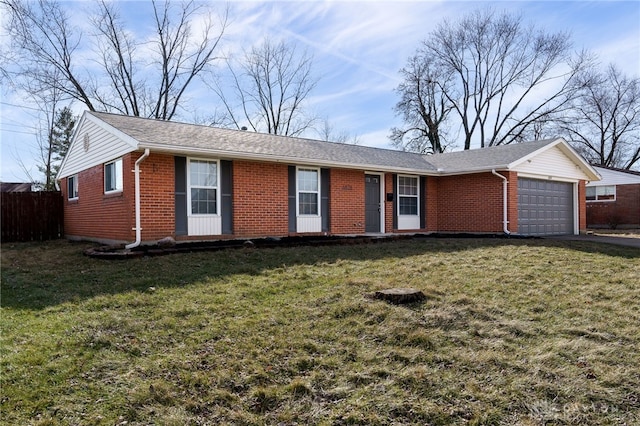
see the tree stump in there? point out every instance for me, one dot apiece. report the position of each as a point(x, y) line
point(400, 296)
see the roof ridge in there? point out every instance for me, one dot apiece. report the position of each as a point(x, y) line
point(270, 135)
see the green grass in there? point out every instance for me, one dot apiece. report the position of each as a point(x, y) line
point(512, 332)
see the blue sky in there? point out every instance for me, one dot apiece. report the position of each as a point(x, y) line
point(358, 48)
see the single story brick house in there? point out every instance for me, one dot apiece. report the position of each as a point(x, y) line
point(129, 178)
point(614, 201)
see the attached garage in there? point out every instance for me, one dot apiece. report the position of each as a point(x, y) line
point(545, 207)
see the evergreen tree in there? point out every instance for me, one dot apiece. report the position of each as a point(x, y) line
point(58, 145)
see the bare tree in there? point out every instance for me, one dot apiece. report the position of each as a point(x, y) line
point(44, 46)
point(491, 71)
point(604, 123)
point(327, 132)
point(151, 84)
point(423, 106)
point(268, 90)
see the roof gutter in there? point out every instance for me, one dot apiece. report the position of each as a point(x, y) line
point(138, 227)
point(505, 221)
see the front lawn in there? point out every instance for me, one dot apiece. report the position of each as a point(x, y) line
point(525, 332)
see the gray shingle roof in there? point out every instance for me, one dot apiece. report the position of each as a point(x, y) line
point(174, 136)
point(496, 157)
point(190, 139)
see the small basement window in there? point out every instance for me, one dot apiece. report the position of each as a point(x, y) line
point(113, 176)
point(601, 193)
point(72, 187)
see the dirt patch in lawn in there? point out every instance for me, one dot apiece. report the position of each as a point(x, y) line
point(115, 252)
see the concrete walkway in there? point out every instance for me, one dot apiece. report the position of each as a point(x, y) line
point(608, 239)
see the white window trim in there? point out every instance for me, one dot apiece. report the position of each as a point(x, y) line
point(615, 194)
point(417, 196)
point(75, 187)
point(119, 177)
point(217, 187)
point(318, 192)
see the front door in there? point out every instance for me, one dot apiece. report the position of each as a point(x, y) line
point(372, 203)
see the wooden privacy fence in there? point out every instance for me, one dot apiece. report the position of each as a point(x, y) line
point(31, 216)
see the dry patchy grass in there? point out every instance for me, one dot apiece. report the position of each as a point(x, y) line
point(512, 332)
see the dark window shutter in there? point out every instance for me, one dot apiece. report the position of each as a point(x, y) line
point(395, 201)
point(181, 195)
point(423, 206)
point(324, 189)
point(226, 187)
point(292, 199)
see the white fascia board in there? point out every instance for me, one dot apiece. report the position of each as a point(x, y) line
point(470, 171)
point(239, 155)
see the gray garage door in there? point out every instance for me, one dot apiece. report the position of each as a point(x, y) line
point(545, 207)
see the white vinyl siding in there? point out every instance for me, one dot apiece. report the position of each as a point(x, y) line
point(113, 176)
point(551, 163)
point(203, 197)
point(102, 146)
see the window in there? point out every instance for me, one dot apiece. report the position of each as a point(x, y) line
point(72, 187)
point(601, 193)
point(113, 176)
point(407, 195)
point(308, 191)
point(203, 182)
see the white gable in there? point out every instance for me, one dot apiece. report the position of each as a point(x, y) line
point(614, 177)
point(552, 163)
point(94, 142)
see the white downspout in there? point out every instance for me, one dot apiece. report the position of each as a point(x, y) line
point(505, 222)
point(138, 227)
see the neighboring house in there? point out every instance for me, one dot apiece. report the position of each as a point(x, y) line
point(15, 187)
point(127, 178)
point(614, 201)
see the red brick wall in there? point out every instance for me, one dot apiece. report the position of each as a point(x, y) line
point(469, 203)
point(582, 211)
point(347, 201)
point(97, 215)
point(157, 196)
point(625, 211)
point(388, 205)
point(260, 199)
point(431, 198)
